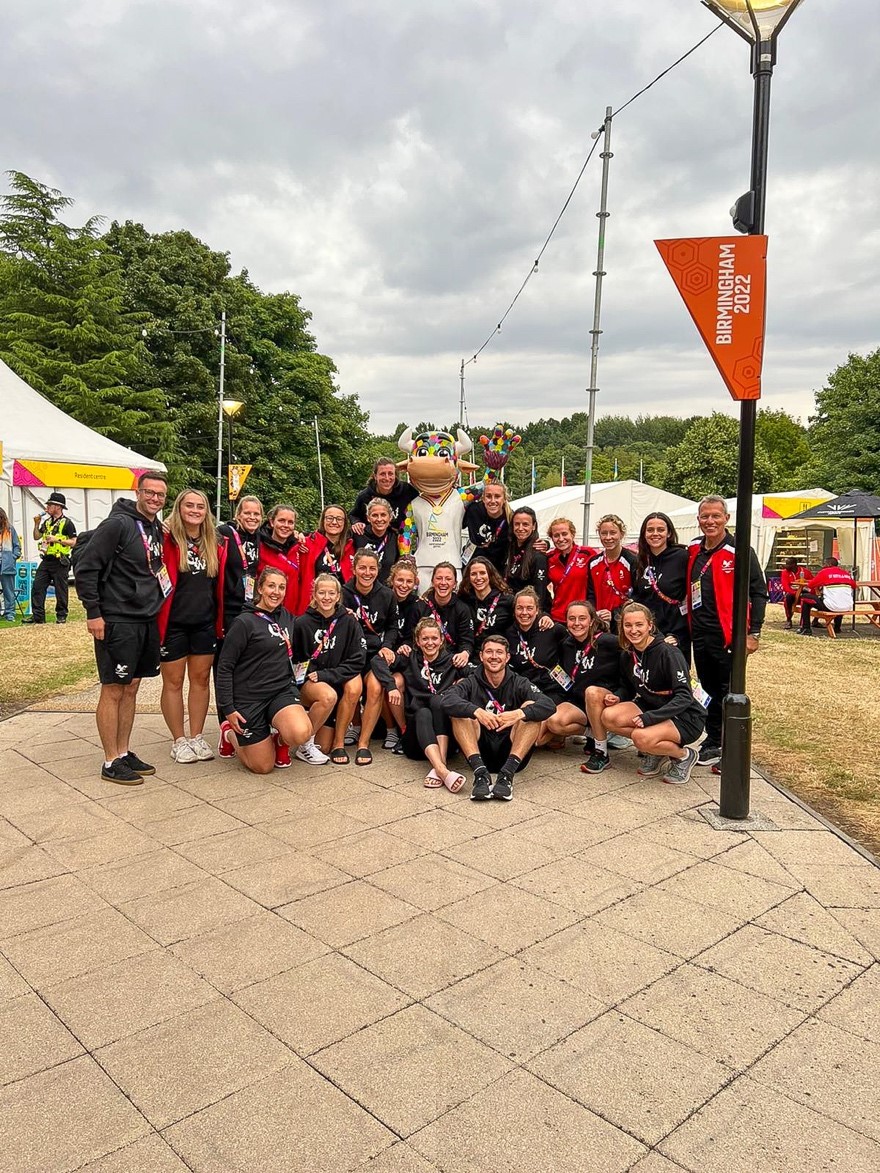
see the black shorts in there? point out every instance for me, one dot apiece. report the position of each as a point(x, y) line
point(689, 724)
point(494, 746)
point(128, 651)
point(258, 718)
point(188, 641)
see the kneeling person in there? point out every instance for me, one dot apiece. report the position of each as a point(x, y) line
point(255, 686)
point(496, 718)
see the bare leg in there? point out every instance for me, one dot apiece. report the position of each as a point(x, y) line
point(348, 702)
point(372, 708)
point(523, 737)
point(258, 758)
point(199, 672)
point(596, 708)
point(662, 740)
point(172, 696)
point(107, 719)
point(293, 725)
point(466, 732)
point(125, 717)
point(318, 700)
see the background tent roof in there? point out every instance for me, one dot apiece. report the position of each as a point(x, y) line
point(32, 428)
point(630, 500)
point(848, 507)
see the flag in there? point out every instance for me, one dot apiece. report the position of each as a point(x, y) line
point(238, 474)
point(533, 474)
point(722, 280)
point(563, 482)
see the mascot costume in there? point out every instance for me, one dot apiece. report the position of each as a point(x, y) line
point(435, 519)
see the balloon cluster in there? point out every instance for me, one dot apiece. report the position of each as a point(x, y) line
point(498, 447)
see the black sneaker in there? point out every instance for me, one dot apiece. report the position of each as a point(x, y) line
point(60, 620)
point(503, 786)
point(710, 755)
point(121, 773)
point(398, 748)
point(482, 788)
point(134, 763)
point(589, 745)
point(33, 621)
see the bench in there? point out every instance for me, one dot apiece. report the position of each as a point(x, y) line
point(869, 609)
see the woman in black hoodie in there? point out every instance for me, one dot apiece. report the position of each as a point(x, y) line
point(491, 604)
point(660, 579)
point(279, 548)
point(440, 602)
point(428, 671)
point(654, 704)
point(374, 608)
point(240, 573)
point(255, 685)
point(328, 659)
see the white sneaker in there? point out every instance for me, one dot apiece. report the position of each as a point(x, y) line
point(183, 753)
point(201, 749)
point(309, 753)
point(352, 734)
point(391, 739)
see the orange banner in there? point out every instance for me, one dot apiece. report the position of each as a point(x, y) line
point(723, 281)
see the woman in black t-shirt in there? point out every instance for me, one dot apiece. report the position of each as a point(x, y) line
point(191, 620)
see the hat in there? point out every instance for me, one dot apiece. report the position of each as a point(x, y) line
point(57, 499)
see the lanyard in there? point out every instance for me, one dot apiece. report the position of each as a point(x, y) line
point(705, 565)
point(651, 579)
point(148, 548)
point(637, 672)
point(381, 547)
point(489, 615)
point(324, 641)
point(579, 659)
point(497, 706)
point(527, 652)
point(609, 581)
point(568, 566)
point(426, 676)
point(274, 622)
point(436, 615)
point(361, 613)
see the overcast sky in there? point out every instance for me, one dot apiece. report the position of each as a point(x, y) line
point(398, 163)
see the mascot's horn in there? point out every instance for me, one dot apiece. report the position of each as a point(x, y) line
point(464, 444)
point(405, 442)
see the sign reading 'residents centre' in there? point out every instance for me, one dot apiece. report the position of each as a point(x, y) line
point(723, 281)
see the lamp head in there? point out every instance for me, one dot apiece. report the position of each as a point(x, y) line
point(232, 407)
point(755, 20)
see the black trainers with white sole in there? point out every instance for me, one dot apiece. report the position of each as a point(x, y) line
point(710, 755)
point(503, 788)
point(482, 788)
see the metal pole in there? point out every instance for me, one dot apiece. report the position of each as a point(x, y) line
point(598, 273)
point(320, 467)
point(736, 759)
point(220, 410)
point(461, 395)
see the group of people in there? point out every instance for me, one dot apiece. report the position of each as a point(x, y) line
point(317, 638)
point(831, 589)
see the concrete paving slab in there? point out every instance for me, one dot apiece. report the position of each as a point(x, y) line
point(436, 830)
point(348, 913)
point(713, 1015)
point(12, 984)
point(229, 850)
point(277, 881)
point(26, 863)
point(508, 918)
point(288, 1123)
point(804, 919)
point(46, 902)
point(410, 1068)
point(797, 974)
point(749, 1126)
point(175, 1068)
point(60, 1119)
point(577, 885)
point(670, 922)
point(422, 955)
point(864, 924)
point(516, 1008)
point(158, 871)
point(492, 1133)
point(32, 1039)
point(400, 1158)
point(122, 842)
point(501, 854)
point(743, 897)
point(320, 1003)
point(150, 1155)
point(431, 881)
point(640, 1080)
point(855, 1008)
point(637, 857)
point(188, 911)
point(120, 999)
point(605, 963)
point(190, 825)
point(366, 852)
point(855, 886)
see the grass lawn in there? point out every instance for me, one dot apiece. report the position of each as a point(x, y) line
point(815, 705)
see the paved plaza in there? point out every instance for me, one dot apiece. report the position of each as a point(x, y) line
point(336, 969)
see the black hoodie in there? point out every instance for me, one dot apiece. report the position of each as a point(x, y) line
point(489, 536)
point(658, 679)
point(455, 619)
point(116, 574)
point(474, 692)
point(255, 662)
point(663, 587)
point(242, 560)
point(415, 671)
point(385, 547)
point(535, 653)
point(491, 616)
point(596, 661)
point(376, 613)
point(399, 498)
point(334, 647)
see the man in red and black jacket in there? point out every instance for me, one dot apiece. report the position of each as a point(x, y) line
point(835, 586)
point(710, 612)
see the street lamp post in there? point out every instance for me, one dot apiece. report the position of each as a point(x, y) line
point(231, 408)
point(759, 22)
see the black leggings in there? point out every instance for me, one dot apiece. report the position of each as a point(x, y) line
point(423, 726)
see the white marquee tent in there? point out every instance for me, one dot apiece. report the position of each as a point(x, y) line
point(772, 512)
point(44, 449)
point(630, 500)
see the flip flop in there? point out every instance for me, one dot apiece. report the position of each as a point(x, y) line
point(363, 757)
point(453, 782)
point(339, 756)
point(433, 780)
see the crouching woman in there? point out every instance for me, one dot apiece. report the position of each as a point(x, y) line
point(255, 686)
point(654, 704)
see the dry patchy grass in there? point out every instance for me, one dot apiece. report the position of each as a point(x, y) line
point(37, 661)
point(816, 706)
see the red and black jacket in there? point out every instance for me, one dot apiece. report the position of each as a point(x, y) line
point(171, 558)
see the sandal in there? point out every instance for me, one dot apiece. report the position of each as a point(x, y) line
point(363, 757)
point(339, 756)
point(433, 780)
point(453, 782)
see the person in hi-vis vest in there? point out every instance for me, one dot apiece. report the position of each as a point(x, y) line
point(56, 536)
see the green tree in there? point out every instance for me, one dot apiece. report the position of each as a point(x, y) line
point(845, 431)
point(63, 325)
point(787, 446)
point(706, 460)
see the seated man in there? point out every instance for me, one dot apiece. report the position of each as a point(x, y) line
point(838, 590)
point(496, 718)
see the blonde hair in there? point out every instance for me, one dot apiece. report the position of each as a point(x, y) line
point(614, 520)
point(630, 609)
point(206, 537)
point(322, 580)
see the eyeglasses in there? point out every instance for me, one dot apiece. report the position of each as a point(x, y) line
point(160, 496)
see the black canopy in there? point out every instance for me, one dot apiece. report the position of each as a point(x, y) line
point(848, 507)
